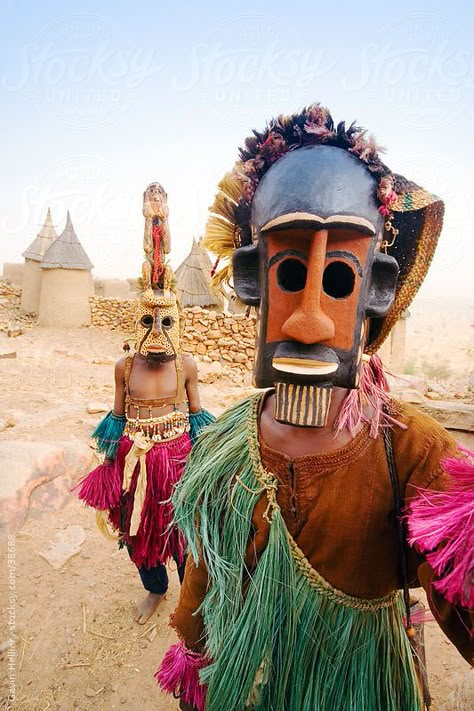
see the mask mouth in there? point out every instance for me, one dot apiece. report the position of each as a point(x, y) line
point(159, 356)
point(300, 359)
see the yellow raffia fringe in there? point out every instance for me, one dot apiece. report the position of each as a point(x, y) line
point(221, 228)
point(220, 237)
point(223, 206)
point(231, 186)
point(101, 520)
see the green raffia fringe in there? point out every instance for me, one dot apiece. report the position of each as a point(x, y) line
point(292, 642)
point(197, 422)
point(108, 433)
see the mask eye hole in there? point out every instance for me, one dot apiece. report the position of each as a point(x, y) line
point(167, 321)
point(146, 320)
point(291, 275)
point(338, 280)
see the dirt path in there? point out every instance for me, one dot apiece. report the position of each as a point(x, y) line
point(77, 646)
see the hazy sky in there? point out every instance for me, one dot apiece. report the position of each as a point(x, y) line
point(101, 98)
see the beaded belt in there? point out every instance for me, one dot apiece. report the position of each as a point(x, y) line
point(159, 428)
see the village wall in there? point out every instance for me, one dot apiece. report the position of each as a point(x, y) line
point(30, 295)
point(64, 299)
point(212, 336)
point(112, 288)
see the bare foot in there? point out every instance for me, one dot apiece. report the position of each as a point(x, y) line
point(147, 607)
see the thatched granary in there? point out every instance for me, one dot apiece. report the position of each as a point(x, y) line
point(193, 281)
point(30, 296)
point(66, 282)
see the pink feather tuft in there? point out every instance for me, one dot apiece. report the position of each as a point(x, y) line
point(441, 523)
point(101, 488)
point(373, 392)
point(178, 674)
point(419, 617)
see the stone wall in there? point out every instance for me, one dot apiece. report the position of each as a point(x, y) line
point(9, 293)
point(10, 296)
point(212, 336)
point(12, 320)
point(113, 314)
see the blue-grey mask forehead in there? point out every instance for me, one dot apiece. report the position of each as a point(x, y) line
point(316, 186)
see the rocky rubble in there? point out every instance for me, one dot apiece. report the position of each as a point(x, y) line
point(419, 390)
point(38, 476)
point(12, 320)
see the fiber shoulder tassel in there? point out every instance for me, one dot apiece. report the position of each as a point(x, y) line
point(373, 394)
point(197, 422)
point(108, 432)
point(441, 524)
point(178, 674)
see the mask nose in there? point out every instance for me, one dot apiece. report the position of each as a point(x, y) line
point(308, 323)
point(157, 328)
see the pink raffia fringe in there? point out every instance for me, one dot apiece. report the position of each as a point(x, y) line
point(158, 539)
point(178, 674)
point(372, 395)
point(442, 522)
point(101, 488)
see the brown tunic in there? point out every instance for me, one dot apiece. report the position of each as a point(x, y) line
point(339, 508)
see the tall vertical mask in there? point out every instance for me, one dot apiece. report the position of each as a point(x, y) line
point(318, 252)
point(157, 308)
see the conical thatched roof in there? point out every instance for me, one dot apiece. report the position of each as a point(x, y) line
point(43, 240)
point(66, 252)
point(193, 280)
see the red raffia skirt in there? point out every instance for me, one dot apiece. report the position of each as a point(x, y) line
point(157, 539)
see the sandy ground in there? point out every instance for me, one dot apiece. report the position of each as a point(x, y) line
point(77, 646)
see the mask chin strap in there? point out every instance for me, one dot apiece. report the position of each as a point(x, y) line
point(302, 405)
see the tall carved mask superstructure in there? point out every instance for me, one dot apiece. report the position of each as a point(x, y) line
point(157, 309)
point(326, 245)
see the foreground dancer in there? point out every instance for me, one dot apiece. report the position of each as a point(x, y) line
point(156, 416)
point(296, 596)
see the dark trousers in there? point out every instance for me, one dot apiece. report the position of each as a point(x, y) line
point(155, 579)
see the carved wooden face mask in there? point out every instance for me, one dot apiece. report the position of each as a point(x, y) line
point(313, 271)
point(157, 330)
